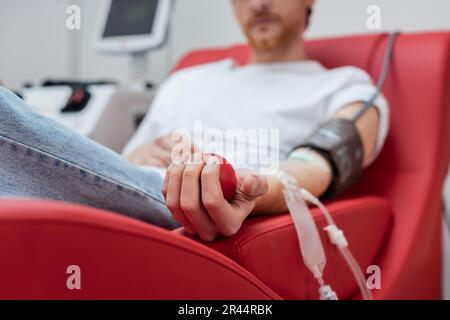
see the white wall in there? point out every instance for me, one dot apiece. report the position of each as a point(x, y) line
point(34, 42)
point(196, 23)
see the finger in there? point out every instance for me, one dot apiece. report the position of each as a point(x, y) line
point(215, 204)
point(175, 174)
point(148, 161)
point(148, 155)
point(162, 155)
point(140, 159)
point(153, 162)
point(194, 148)
point(165, 184)
point(190, 202)
point(182, 151)
point(165, 142)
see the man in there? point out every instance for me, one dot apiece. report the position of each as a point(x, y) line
point(279, 88)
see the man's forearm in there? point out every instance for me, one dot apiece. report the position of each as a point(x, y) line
point(312, 172)
point(315, 173)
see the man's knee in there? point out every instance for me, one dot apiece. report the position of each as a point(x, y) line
point(11, 104)
point(15, 115)
point(9, 101)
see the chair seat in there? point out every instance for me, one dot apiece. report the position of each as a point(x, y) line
point(268, 247)
point(118, 257)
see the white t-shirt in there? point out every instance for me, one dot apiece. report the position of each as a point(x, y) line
point(269, 107)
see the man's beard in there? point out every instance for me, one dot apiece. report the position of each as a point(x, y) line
point(282, 40)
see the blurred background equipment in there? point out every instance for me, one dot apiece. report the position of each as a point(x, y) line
point(134, 27)
point(103, 110)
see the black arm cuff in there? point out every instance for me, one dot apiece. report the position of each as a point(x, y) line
point(339, 142)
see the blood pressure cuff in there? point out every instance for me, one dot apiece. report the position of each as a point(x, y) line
point(339, 142)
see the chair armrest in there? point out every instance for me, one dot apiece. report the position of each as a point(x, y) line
point(119, 258)
point(269, 249)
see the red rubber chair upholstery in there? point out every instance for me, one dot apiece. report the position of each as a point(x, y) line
point(391, 218)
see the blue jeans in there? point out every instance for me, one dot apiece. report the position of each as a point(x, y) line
point(42, 159)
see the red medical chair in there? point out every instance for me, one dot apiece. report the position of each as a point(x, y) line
point(392, 218)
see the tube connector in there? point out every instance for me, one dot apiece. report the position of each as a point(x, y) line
point(286, 180)
point(308, 196)
point(336, 236)
point(326, 293)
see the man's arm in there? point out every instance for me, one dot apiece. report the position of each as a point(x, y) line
point(312, 170)
point(193, 193)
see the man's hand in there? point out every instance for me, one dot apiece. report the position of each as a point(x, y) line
point(194, 196)
point(159, 153)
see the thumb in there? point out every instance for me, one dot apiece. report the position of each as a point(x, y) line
point(254, 185)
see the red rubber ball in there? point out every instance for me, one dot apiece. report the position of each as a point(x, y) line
point(228, 178)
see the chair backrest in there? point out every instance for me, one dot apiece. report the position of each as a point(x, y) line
point(412, 167)
point(418, 89)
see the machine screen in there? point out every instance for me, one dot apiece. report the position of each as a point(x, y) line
point(130, 17)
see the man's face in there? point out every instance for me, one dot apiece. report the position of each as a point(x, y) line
point(272, 24)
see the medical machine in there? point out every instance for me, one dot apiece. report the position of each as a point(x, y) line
point(107, 112)
point(133, 27)
point(104, 112)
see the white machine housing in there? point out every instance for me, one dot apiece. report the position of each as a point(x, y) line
point(132, 43)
